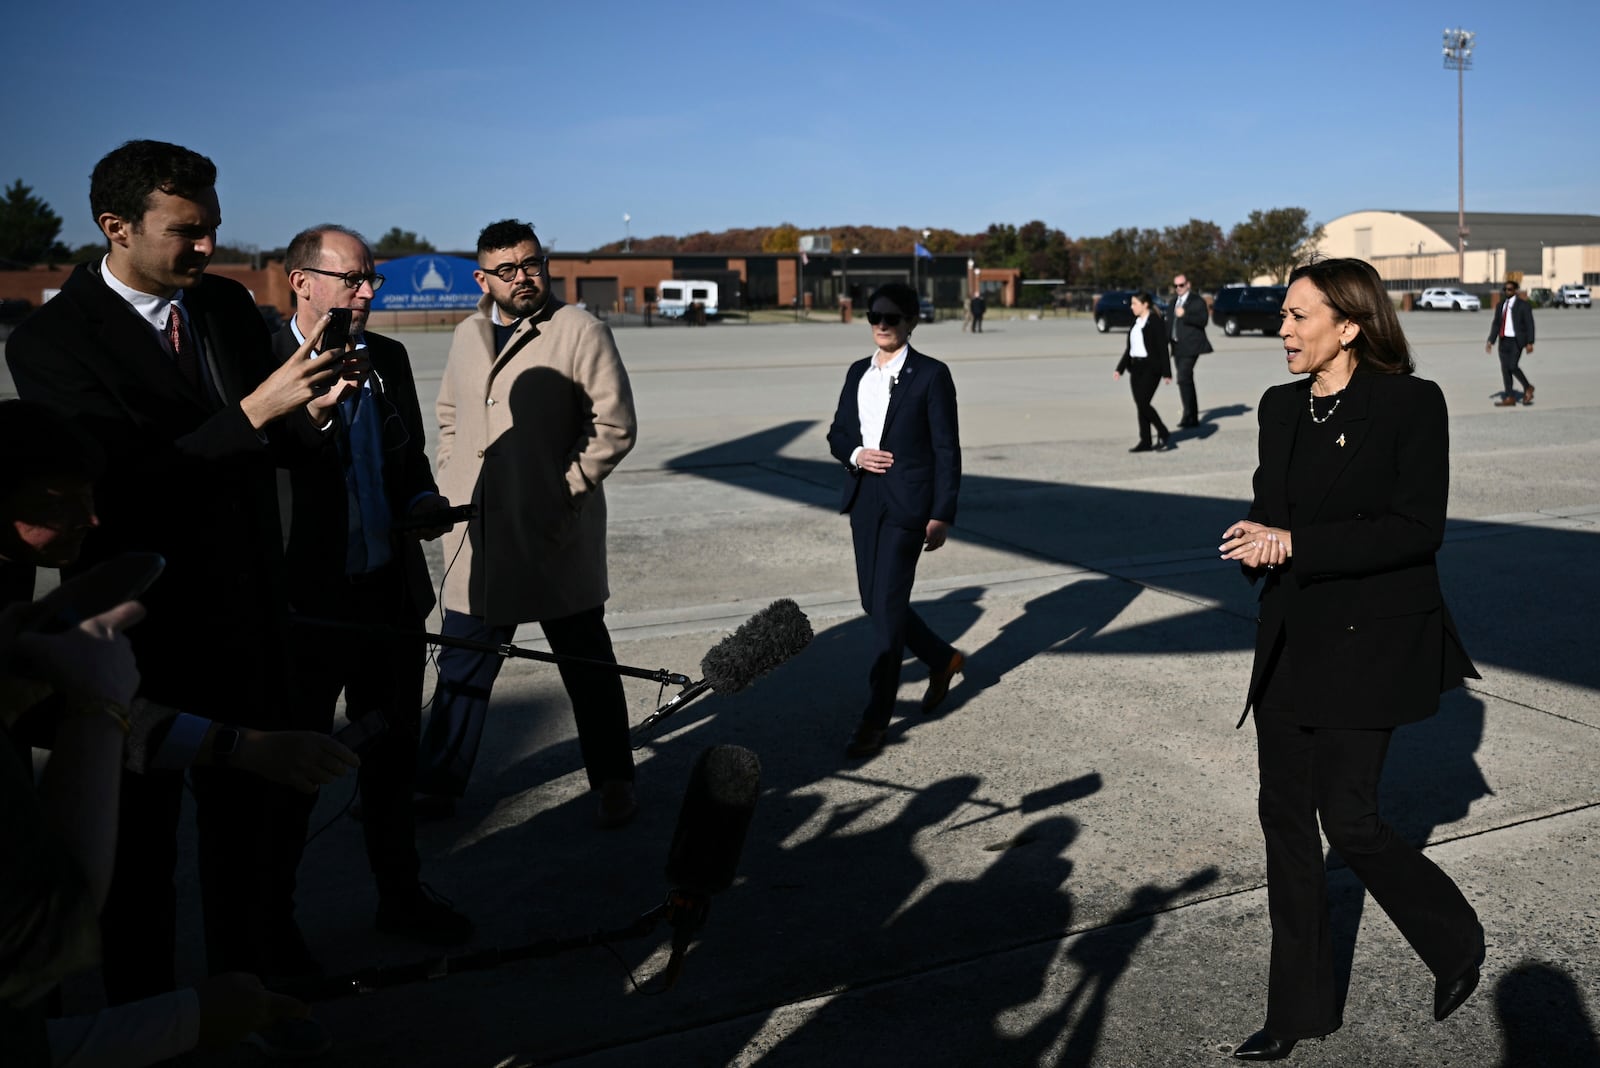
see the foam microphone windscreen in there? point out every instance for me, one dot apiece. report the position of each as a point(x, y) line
point(761, 643)
point(716, 812)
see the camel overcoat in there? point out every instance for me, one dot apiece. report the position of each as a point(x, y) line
point(528, 434)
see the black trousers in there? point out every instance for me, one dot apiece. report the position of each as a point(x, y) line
point(1184, 366)
point(886, 567)
point(1312, 772)
point(1144, 384)
point(375, 674)
point(1511, 363)
point(461, 700)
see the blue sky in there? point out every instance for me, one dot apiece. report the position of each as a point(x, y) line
point(439, 118)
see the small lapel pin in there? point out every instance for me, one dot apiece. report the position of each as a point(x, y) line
point(1341, 441)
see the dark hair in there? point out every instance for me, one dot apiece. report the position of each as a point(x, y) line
point(901, 296)
point(306, 248)
point(39, 442)
point(507, 233)
point(1147, 298)
point(1353, 289)
point(125, 178)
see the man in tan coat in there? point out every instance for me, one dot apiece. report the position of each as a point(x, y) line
point(534, 412)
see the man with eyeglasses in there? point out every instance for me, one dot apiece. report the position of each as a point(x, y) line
point(171, 370)
point(1189, 343)
point(1512, 327)
point(535, 410)
point(347, 563)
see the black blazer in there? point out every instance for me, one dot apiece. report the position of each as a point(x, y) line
point(184, 477)
point(920, 429)
point(1155, 343)
point(1521, 322)
point(1189, 329)
point(1371, 641)
point(318, 505)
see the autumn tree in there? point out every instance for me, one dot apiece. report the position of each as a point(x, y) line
point(1272, 242)
point(398, 242)
point(1197, 249)
point(28, 227)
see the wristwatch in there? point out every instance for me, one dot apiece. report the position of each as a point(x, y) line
point(224, 745)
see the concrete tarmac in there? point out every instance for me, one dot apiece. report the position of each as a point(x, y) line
point(1063, 866)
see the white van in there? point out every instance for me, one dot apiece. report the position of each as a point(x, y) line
point(674, 297)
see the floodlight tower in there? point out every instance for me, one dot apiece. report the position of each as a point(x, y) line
point(1458, 57)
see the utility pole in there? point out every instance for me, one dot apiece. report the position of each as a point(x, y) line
point(1458, 57)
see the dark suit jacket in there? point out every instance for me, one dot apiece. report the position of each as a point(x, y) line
point(186, 479)
point(1155, 343)
point(318, 504)
point(1189, 329)
point(920, 429)
point(1371, 642)
point(1521, 322)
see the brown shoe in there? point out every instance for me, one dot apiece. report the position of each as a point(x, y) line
point(939, 682)
point(618, 804)
point(1527, 395)
point(1506, 401)
point(868, 741)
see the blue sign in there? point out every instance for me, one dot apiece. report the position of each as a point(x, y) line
point(429, 282)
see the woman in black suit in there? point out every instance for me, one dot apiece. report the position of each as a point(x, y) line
point(1354, 638)
point(1145, 359)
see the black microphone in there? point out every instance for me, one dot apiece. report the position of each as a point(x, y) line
point(762, 642)
point(707, 841)
point(717, 806)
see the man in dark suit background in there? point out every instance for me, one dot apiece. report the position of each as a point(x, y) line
point(171, 370)
point(1513, 329)
point(895, 430)
point(345, 563)
point(1189, 343)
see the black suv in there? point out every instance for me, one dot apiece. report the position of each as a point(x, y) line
point(1238, 308)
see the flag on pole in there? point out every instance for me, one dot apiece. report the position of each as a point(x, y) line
point(804, 259)
point(920, 251)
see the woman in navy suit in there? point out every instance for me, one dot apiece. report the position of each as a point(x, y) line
point(1145, 359)
point(1354, 638)
point(895, 432)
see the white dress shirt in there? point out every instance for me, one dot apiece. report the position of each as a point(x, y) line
point(872, 399)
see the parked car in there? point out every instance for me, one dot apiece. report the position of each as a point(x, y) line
point(1570, 297)
point(926, 311)
point(1114, 308)
point(12, 312)
point(1448, 297)
point(1239, 308)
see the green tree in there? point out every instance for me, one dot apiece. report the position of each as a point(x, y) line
point(28, 227)
point(785, 237)
point(398, 242)
point(1197, 249)
point(1123, 259)
point(1272, 242)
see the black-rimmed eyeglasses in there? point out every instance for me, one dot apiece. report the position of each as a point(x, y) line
point(886, 318)
point(533, 267)
point(351, 279)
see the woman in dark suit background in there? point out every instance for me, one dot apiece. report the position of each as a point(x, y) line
point(1354, 638)
point(895, 431)
point(1145, 359)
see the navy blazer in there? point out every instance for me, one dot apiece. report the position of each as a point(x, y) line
point(1371, 641)
point(1189, 328)
point(1521, 322)
point(184, 477)
point(318, 504)
point(920, 429)
point(1155, 344)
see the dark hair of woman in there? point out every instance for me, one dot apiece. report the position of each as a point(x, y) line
point(900, 295)
point(1354, 291)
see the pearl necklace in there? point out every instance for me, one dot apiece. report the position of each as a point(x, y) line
point(1311, 405)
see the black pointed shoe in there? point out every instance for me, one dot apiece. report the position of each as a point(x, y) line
point(1264, 1047)
point(1449, 994)
point(1143, 446)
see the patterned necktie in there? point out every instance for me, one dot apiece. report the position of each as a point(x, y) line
point(182, 350)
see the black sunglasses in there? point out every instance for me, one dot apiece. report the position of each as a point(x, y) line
point(886, 318)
